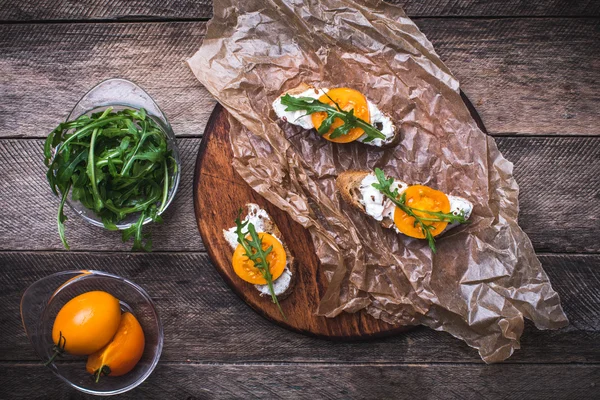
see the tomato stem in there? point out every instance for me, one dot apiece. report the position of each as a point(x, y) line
point(58, 349)
point(103, 370)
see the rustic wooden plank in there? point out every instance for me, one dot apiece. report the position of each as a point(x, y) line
point(533, 76)
point(28, 212)
point(29, 10)
point(559, 173)
point(330, 381)
point(499, 8)
point(554, 175)
point(525, 76)
point(205, 322)
point(46, 69)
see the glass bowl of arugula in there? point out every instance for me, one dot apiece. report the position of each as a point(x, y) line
point(114, 161)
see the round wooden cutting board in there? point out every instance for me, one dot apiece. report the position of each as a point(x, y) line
point(218, 194)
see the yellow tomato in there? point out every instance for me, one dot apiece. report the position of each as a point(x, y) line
point(347, 99)
point(123, 353)
point(423, 198)
point(245, 268)
point(86, 323)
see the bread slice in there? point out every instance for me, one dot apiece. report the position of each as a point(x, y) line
point(394, 142)
point(348, 184)
point(303, 87)
point(283, 285)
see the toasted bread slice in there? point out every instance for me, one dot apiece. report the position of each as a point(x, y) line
point(283, 285)
point(301, 88)
point(394, 142)
point(349, 184)
point(295, 117)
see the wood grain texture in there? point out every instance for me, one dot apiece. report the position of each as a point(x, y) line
point(204, 321)
point(553, 174)
point(46, 69)
point(330, 381)
point(498, 8)
point(525, 76)
point(28, 212)
point(141, 10)
point(215, 211)
point(532, 76)
point(563, 172)
point(30, 10)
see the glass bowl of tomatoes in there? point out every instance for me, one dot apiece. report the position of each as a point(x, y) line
point(98, 332)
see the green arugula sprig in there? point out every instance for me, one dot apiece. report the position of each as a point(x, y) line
point(385, 187)
point(114, 163)
point(311, 106)
point(254, 251)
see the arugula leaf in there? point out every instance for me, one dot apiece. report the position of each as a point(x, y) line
point(114, 163)
point(61, 218)
point(91, 172)
point(255, 252)
point(135, 230)
point(384, 186)
point(66, 170)
point(311, 106)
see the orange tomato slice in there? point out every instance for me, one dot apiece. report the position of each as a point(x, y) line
point(422, 198)
point(245, 269)
point(347, 99)
point(123, 353)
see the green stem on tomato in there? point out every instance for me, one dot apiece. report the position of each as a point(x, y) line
point(59, 349)
point(103, 370)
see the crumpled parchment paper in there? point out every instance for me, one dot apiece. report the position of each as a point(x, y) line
point(485, 277)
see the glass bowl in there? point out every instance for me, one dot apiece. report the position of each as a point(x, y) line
point(42, 301)
point(119, 94)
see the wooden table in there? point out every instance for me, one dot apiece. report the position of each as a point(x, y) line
point(532, 69)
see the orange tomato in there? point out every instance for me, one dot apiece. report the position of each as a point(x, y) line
point(86, 323)
point(123, 353)
point(245, 269)
point(422, 198)
point(347, 99)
